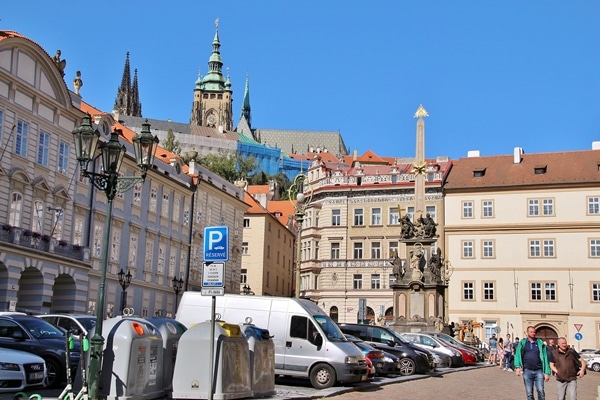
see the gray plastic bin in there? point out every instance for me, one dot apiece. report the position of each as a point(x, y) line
point(230, 378)
point(262, 360)
point(171, 331)
point(132, 364)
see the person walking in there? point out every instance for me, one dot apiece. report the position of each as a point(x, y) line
point(508, 354)
point(500, 352)
point(531, 361)
point(567, 365)
point(493, 347)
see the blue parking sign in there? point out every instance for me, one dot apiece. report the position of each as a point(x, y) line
point(216, 243)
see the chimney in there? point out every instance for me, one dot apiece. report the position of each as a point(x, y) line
point(473, 153)
point(517, 155)
point(192, 166)
point(596, 145)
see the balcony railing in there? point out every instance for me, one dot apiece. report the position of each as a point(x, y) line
point(32, 240)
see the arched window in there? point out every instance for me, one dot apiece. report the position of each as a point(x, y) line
point(16, 209)
point(333, 314)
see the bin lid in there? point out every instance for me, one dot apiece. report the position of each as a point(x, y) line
point(231, 330)
point(251, 331)
point(167, 325)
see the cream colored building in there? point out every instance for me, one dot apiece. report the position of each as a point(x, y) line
point(522, 232)
point(352, 230)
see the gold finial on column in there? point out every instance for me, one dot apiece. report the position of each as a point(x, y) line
point(421, 112)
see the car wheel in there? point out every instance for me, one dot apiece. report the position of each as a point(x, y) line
point(55, 373)
point(407, 366)
point(596, 367)
point(322, 376)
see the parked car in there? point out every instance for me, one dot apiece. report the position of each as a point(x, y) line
point(413, 360)
point(19, 369)
point(480, 355)
point(593, 363)
point(385, 363)
point(452, 357)
point(34, 335)
point(371, 371)
point(75, 323)
point(589, 353)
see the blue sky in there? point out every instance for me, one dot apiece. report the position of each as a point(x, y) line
point(493, 75)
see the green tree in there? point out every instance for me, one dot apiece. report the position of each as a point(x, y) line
point(231, 167)
point(171, 144)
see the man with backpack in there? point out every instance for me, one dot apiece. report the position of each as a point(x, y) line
point(568, 365)
point(531, 361)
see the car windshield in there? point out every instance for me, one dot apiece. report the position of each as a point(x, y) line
point(88, 322)
point(331, 330)
point(398, 336)
point(40, 329)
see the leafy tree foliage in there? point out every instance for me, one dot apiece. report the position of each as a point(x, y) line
point(171, 144)
point(229, 166)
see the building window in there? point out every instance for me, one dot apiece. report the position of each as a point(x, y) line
point(133, 242)
point(467, 209)
point(431, 211)
point(357, 281)
point(164, 207)
point(153, 199)
point(243, 275)
point(595, 292)
point(488, 291)
point(376, 250)
point(1, 122)
point(16, 209)
point(490, 328)
point(21, 138)
point(359, 217)
point(115, 245)
point(393, 249)
point(43, 149)
point(335, 251)
point(375, 281)
point(392, 280)
point(467, 249)
point(358, 251)
point(336, 217)
point(594, 247)
point(534, 248)
point(37, 223)
point(244, 248)
point(547, 207)
point(487, 208)
point(137, 194)
point(468, 290)
point(63, 158)
point(488, 249)
point(376, 216)
point(246, 222)
point(548, 248)
point(594, 205)
point(543, 291)
point(394, 216)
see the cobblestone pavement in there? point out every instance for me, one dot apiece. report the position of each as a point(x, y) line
point(481, 382)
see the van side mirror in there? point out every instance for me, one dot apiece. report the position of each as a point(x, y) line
point(317, 339)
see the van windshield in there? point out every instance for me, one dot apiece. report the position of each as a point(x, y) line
point(330, 329)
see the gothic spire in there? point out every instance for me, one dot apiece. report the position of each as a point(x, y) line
point(246, 103)
point(127, 101)
point(136, 106)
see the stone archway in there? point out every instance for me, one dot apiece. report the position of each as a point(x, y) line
point(31, 289)
point(63, 294)
point(545, 332)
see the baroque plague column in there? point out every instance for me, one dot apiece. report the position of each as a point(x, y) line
point(420, 282)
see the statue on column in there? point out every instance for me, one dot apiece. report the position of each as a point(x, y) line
point(398, 269)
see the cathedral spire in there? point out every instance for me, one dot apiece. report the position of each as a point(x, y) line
point(127, 101)
point(246, 103)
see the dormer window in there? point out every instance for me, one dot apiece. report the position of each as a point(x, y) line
point(540, 169)
point(478, 173)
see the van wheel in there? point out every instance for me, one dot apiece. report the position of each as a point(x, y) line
point(407, 366)
point(322, 376)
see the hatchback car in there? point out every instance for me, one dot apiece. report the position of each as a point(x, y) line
point(74, 323)
point(451, 356)
point(385, 363)
point(34, 335)
point(19, 369)
point(413, 360)
point(479, 354)
point(593, 363)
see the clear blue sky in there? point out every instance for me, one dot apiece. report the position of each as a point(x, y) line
point(492, 74)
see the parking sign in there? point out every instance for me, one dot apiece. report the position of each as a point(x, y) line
point(216, 243)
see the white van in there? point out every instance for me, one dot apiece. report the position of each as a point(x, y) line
point(307, 342)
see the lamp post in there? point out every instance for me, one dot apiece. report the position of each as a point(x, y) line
point(247, 290)
point(301, 204)
point(124, 281)
point(108, 180)
point(177, 286)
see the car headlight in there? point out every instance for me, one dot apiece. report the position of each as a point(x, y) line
point(353, 359)
point(456, 353)
point(9, 366)
point(387, 359)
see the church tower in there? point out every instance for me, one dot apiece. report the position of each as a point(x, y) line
point(213, 99)
point(128, 99)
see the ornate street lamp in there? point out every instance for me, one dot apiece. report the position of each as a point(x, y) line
point(247, 290)
point(302, 202)
point(177, 286)
point(108, 180)
point(124, 281)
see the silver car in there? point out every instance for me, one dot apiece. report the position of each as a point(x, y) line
point(450, 356)
point(19, 369)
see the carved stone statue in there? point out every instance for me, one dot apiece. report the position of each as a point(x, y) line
point(60, 64)
point(429, 226)
point(435, 263)
point(416, 256)
point(398, 269)
point(77, 82)
point(407, 229)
